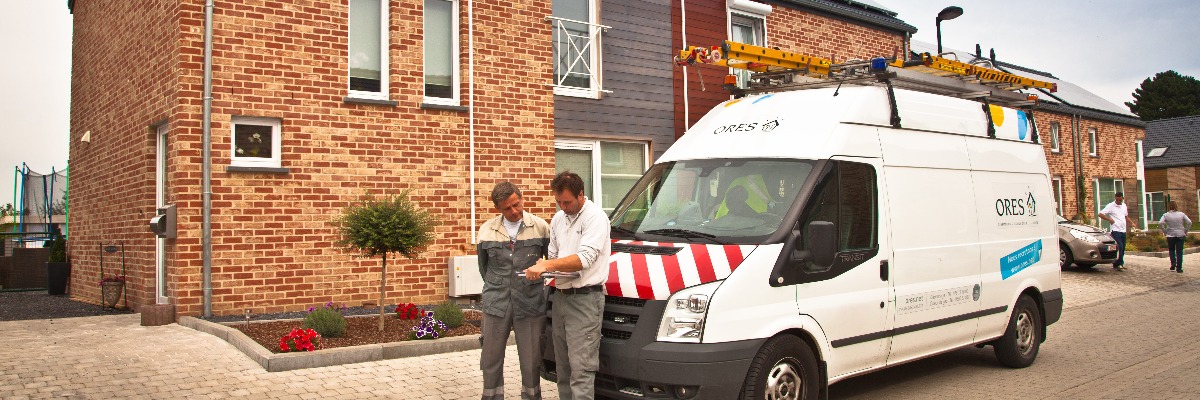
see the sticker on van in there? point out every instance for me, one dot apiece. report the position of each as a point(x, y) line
point(1018, 260)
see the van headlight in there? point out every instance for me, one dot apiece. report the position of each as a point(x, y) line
point(1086, 237)
point(683, 320)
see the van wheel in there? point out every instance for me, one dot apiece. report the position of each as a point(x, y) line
point(1019, 345)
point(1064, 257)
point(784, 368)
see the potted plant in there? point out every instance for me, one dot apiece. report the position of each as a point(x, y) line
point(58, 268)
point(378, 226)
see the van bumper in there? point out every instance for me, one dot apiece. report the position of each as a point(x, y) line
point(663, 370)
point(1052, 300)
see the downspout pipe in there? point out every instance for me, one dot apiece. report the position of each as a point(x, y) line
point(206, 163)
point(471, 107)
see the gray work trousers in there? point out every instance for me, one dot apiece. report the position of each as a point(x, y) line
point(494, 339)
point(576, 325)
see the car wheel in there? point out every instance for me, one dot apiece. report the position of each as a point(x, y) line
point(1023, 337)
point(785, 368)
point(1064, 256)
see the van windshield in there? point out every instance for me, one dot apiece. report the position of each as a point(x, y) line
point(710, 201)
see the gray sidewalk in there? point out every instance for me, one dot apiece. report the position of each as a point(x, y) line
point(114, 357)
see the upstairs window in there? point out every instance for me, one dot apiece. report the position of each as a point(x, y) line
point(368, 50)
point(748, 29)
point(1054, 138)
point(1093, 143)
point(576, 36)
point(441, 52)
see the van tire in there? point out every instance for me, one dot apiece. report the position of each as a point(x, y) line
point(1065, 258)
point(785, 368)
point(1023, 337)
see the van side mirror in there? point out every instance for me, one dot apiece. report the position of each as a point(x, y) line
point(822, 243)
point(163, 224)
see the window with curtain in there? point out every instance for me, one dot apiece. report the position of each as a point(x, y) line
point(749, 30)
point(608, 168)
point(441, 49)
point(367, 49)
point(1054, 140)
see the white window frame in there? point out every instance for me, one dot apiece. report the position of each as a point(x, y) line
point(747, 10)
point(1093, 143)
point(596, 72)
point(160, 200)
point(256, 162)
point(1055, 139)
point(384, 59)
point(1056, 182)
point(1118, 186)
point(455, 83)
point(596, 191)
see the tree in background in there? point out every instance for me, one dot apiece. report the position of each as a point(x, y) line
point(1166, 95)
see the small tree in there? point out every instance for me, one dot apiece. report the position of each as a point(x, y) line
point(1166, 95)
point(375, 227)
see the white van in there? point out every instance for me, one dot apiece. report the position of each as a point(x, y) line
point(792, 240)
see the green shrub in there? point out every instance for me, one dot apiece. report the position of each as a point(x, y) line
point(327, 321)
point(449, 313)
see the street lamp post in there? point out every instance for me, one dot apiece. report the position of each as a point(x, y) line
point(947, 14)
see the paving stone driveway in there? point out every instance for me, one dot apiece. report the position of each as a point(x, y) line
point(114, 357)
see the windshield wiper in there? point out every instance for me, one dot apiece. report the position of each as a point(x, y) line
point(626, 231)
point(685, 233)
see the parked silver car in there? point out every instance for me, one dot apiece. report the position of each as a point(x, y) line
point(1084, 245)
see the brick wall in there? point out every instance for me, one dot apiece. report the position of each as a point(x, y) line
point(807, 33)
point(1116, 158)
point(271, 237)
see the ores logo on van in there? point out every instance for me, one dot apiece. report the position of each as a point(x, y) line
point(1017, 207)
point(766, 126)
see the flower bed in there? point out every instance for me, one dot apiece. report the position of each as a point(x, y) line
point(360, 330)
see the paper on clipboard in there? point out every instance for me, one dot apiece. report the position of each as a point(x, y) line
point(554, 274)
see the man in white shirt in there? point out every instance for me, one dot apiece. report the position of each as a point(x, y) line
point(1118, 219)
point(579, 242)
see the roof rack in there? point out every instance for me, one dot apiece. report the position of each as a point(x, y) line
point(775, 70)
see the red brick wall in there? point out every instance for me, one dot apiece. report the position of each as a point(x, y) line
point(787, 29)
point(1116, 158)
point(122, 82)
point(271, 237)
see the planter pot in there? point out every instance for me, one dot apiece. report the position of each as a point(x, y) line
point(57, 274)
point(111, 293)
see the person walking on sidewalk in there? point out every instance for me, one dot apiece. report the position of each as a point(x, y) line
point(1117, 216)
point(508, 244)
point(1175, 225)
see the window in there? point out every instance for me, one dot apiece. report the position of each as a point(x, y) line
point(1156, 205)
point(255, 142)
point(608, 168)
point(1056, 186)
point(576, 36)
point(748, 29)
point(1055, 143)
point(1093, 145)
point(1156, 152)
point(846, 197)
point(441, 52)
point(1105, 188)
point(368, 50)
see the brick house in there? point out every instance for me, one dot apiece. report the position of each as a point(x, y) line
point(1172, 165)
point(316, 103)
point(1092, 145)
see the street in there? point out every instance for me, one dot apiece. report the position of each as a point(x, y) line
point(1123, 335)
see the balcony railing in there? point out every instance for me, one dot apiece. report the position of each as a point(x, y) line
point(577, 57)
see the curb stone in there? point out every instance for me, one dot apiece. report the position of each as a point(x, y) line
point(273, 362)
point(1163, 254)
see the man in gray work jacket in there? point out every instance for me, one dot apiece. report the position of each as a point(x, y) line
point(508, 244)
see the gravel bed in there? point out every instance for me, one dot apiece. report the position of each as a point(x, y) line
point(27, 305)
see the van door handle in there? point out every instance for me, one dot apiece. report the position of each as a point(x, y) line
point(883, 270)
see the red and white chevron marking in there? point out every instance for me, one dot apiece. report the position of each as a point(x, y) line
point(654, 277)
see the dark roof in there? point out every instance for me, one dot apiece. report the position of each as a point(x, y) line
point(862, 11)
point(1181, 137)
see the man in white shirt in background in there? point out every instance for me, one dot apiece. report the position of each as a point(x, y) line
point(1118, 219)
point(579, 242)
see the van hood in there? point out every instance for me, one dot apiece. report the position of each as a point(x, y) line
point(655, 270)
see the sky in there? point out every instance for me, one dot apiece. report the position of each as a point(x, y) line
point(1105, 46)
